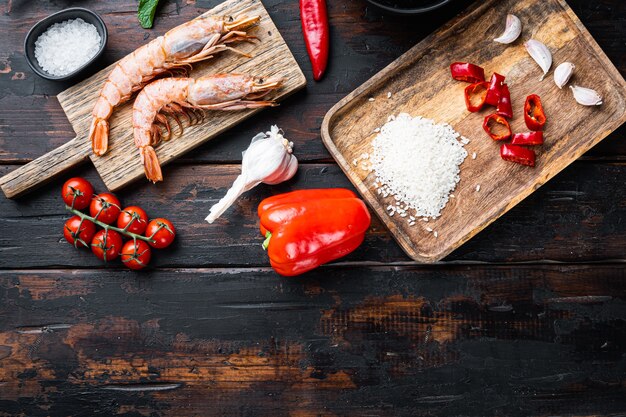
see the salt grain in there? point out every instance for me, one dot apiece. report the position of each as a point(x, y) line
point(478, 188)
point(474, 155)
point(371, 99)
point(436, 234)
point(65, 47)
point(465, 140)
point(389, 94)
point(428, 229)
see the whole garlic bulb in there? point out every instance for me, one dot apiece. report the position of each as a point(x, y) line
point(268, 160)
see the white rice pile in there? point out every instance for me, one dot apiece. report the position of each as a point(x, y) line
point(417, 161)
point(64, 47)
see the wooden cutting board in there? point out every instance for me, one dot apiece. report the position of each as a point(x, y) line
point(121, 165)
point(420, 84)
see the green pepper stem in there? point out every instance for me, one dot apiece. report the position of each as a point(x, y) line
point(105, 226)
point(266, 242)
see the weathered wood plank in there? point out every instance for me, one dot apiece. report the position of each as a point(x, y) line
point(526, 340)
point(376, 341)
point(576, 217)
point(364, 41)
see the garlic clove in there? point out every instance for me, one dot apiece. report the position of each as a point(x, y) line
point(512, 30)
point(586, 96)
point(563, 73)
point(288, 171)
point(541, 54)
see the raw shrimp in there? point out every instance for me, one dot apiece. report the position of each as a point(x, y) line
point(188, 97)
point(194, 41)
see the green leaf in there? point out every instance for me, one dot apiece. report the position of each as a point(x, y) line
point(146, 11)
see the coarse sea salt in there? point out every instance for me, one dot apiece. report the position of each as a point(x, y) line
point(65, 47)
point(417, 162)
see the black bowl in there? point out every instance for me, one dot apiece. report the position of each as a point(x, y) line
point(423, 7)
point(41, 26)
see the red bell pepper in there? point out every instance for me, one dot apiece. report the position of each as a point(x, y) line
point(528, 138)
point(301, 196)
point(314, 18)
point(464, 71)
point(517, 154)
point(473, 91)
point(495, 89)
point(308, 228)
point(504, 105)
point(534, 115)
point(497, 127)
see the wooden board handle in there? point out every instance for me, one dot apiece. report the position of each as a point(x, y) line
point(43, 169)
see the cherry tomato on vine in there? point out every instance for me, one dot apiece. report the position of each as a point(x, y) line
point(136, 255)
point(77, 193)
point(135, 218)
point(79, 238)
point(105, 207)
point(161, 231)
point(107, 245)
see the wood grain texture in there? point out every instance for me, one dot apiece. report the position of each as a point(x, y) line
point(488, 341)
point(568, 220)
point(45, 168)
point(210, 330)
point(420, 84)
point(364, 41)
point(122, 165)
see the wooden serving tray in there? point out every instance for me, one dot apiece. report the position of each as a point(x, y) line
point(121, 165)
point(421, 84)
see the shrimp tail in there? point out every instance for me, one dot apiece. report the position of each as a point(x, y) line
point(99, 136)
point(151, 164)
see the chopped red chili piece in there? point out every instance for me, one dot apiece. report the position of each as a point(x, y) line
point(475, 96)
point(517, 154)
point(504, 105)
point(497, 127)
point(528, 138)
point(533, 113)
point(464, 71)
point(495, 89)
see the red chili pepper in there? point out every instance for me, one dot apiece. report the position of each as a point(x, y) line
point(495, 89)
point(490, 124)
point(316, 34)
point(517, 154)
point(308, 228)
point(528, 138)
point(464, 71)
point(534, 115)
point(473, 91)
point(504, 105)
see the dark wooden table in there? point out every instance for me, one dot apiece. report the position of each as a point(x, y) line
point(528, 318)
